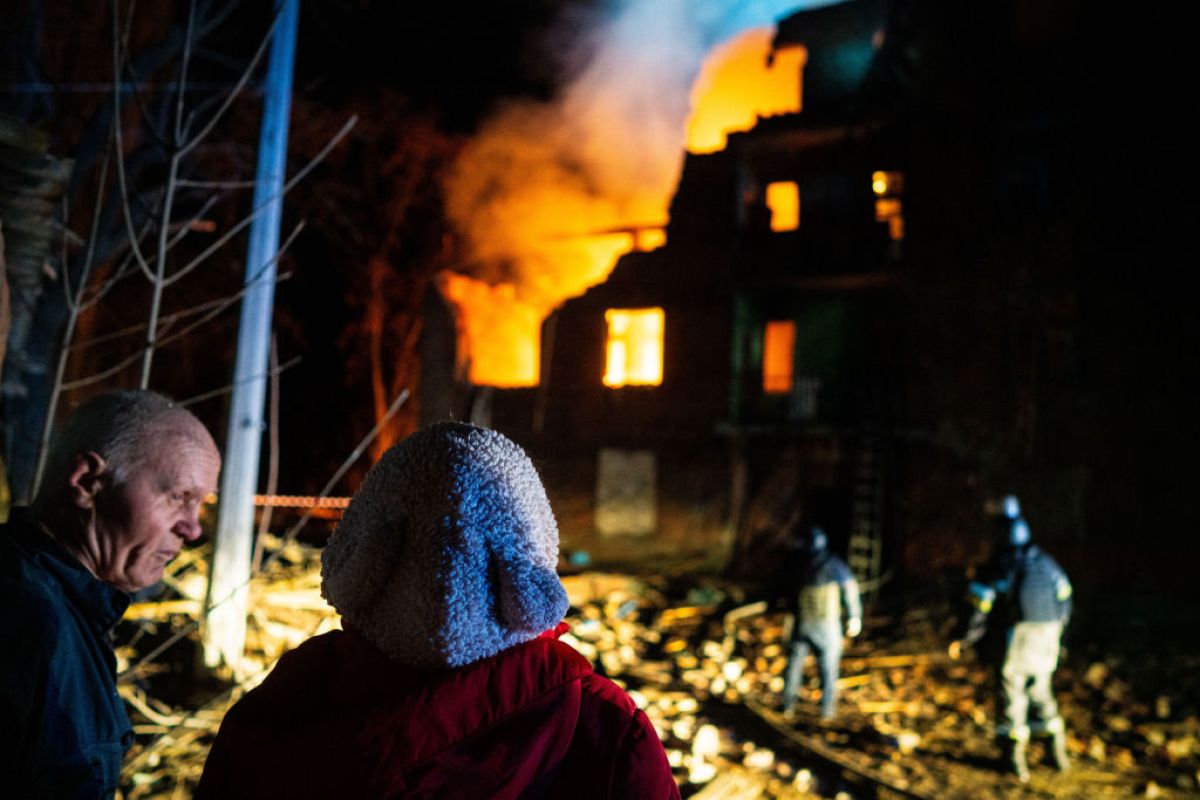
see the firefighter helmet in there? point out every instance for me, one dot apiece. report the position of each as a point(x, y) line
point(1010, 507)
point(815, 539)
point(1018, 532)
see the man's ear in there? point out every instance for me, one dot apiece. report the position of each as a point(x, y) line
point(86, 478)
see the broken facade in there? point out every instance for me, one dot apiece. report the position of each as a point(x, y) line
point(871, 313)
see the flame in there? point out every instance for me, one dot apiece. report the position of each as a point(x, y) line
point(530, 191)
point(499, 325)
point(736, 86)
point(635, 347)
point(779, 345)
point(888, 207)
point(498, 333)
point(650, 239)
point(531, 215)
point(783, 198)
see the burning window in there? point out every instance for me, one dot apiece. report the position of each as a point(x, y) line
point(783, 198)
point(498, 331)
point(779, 347)
point(635, 347)
point(887, 187)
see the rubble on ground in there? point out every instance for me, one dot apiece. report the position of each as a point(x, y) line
point(708, 679)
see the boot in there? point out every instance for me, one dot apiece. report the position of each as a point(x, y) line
point(1058, 750)
point(1014, 757)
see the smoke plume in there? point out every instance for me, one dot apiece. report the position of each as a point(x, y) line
point(605, 154)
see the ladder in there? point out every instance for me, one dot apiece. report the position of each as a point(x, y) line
point(865, 548)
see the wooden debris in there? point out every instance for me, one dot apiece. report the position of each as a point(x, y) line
point(911, 723)
point(734, 785)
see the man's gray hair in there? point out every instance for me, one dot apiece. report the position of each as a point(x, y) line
point(122, 426)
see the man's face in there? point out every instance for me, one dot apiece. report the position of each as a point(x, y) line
point(143, 522)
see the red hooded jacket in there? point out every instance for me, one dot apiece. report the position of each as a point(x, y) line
point(337, 718)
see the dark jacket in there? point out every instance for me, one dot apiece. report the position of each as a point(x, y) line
point(63, 725)
point(1018, 585)
point(823, 590)
point(337, 718)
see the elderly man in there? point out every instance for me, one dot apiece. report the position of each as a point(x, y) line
point(122, 490)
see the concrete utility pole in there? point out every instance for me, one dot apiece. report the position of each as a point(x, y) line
point(225, 625)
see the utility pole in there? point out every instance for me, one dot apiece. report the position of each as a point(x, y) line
point(228, 590)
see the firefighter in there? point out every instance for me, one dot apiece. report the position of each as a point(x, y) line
point(1021, 603)
point(823, 592)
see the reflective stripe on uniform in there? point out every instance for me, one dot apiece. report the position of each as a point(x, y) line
point(981, 596)
point(821, 602)
point(1018, 733)
point(1052, 725)
point(1063, 591)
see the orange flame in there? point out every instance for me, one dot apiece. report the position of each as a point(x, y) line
point(532, 190)
point(497, 332)
point(779, 346)
point(635, 347)
point(499, 326)
point(783, 199)
point(736, 86)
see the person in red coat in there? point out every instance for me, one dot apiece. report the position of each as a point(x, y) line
point(448, 679)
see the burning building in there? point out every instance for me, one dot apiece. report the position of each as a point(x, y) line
point(869, 305)
point(738, 373)
point(767, 307)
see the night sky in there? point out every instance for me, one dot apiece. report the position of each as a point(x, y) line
point(455, 60)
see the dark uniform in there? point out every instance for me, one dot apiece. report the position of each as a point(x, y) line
point(824, 591)
point(1021, 603)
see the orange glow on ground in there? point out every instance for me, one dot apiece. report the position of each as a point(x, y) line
point(736, 86)
point(783, 198)
point(634, 352)
point(779, 346)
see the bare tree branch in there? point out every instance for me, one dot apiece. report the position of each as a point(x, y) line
point(134, 240)
point(234, 92)
point(212, 15)
point(190, 184)
point(190, 225)
point(299, 176)
point(337, 476)
point(122, 271)
point(220, 306)
point(229, 387)
point(136, 84)
point(185, 61)
point(165, 320)
point(159, 284)
point(73, 309)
